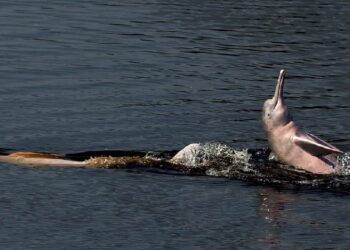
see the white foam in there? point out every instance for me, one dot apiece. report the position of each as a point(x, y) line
point(344, 161)
point(215, 158)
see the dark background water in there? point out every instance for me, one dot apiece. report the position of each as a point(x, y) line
point(158, 75)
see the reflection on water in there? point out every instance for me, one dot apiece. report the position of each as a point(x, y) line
point(158, 75)
point(286, 211)
point(272, 207)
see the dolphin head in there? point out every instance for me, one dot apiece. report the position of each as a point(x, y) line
point(275, 113)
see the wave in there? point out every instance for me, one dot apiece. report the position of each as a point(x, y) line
point(219, 160)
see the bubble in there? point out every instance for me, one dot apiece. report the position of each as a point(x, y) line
point(344, 161)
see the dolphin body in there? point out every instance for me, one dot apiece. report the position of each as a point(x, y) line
point(40, 160)
point(290, 144)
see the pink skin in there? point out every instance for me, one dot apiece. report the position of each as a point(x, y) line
point(291, 145)
point(41, 162)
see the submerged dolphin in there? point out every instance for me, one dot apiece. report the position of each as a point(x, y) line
point(291, 145)
point(40, 159)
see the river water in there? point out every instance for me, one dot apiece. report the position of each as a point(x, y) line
point(158, 75)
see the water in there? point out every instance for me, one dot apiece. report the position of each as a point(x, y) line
point(158, 75)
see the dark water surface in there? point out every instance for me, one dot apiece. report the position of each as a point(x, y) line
point(158, 75)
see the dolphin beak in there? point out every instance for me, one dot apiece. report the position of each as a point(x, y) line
point(278, 96)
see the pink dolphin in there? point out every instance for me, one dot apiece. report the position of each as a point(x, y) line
point(290, 144)
point(40, 160)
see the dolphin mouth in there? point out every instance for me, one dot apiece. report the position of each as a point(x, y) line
point(278, 96)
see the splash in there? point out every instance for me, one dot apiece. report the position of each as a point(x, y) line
point(214, 159)
point(220, 160)
point(116, 162)
point(344, 161)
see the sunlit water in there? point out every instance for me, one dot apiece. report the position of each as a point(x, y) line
point(158, 75)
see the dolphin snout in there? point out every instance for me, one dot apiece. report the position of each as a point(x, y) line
point(278, 96)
